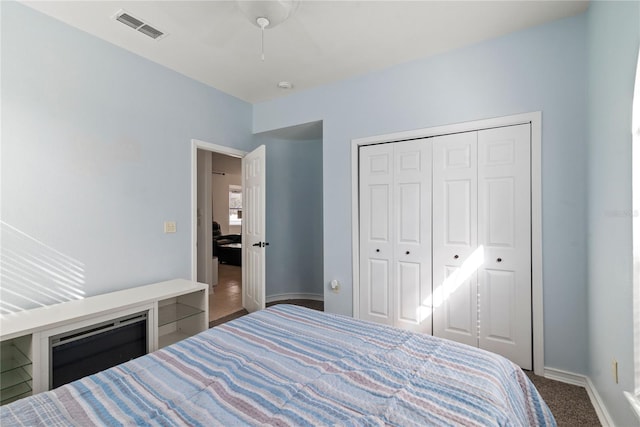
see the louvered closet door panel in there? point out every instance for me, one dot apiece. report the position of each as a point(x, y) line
point(376, 246)
point(455, 255)
point(412, 235)
point(504, 218)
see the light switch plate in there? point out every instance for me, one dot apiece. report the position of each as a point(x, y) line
point(169, 226)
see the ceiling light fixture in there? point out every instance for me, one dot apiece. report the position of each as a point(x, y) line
point(267, 14)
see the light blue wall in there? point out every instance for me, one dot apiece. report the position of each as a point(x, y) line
point(537, 69)
point(294, 217)
point(95, 156)
point(614, 37)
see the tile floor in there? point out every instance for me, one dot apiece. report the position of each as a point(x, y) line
point(226, 297)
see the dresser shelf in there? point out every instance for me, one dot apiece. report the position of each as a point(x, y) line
point(182, 316)
point(175, 312)
point(15, 370)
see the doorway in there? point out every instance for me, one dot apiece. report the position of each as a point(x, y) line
point(216, 229)
point(225, 296)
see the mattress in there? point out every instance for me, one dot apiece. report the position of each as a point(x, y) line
point(291, 366)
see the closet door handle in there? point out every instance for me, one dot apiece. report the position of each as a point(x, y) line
point(407, 252)
point(499, 260)
point(456, 257)
point(377, 250)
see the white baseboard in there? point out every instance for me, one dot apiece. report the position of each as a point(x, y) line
point(634, 401)
point(582, 381)
point(283, 297)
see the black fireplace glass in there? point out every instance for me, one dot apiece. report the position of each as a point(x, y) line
point(87, 351)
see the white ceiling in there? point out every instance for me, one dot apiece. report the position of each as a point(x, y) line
point(324, 41)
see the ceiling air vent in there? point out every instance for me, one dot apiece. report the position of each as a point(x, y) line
point(125, 18)
point(150, 31)
point(138, 25)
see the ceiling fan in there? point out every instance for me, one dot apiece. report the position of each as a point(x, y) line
point(267, 14)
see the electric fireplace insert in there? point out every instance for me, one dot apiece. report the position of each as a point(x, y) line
point(76, 354)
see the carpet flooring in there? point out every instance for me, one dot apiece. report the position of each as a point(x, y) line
point(569, 404)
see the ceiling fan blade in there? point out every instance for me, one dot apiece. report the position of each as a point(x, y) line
point(296, 33)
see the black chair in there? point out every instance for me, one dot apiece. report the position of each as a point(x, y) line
point(228, 249)
point(215, 231)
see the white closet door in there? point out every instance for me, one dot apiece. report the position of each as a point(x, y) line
point(376, 245)
point(412, 235)
point(504, 218)
point(455, 252)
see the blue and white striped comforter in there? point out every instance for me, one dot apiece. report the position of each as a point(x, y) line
point(291, 366)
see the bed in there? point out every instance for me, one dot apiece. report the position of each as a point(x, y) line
point(292, 366)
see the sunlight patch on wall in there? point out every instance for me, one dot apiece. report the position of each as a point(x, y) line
point(33, 274)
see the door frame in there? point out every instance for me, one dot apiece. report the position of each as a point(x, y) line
point(214, 148)
point(204, 215)
point(535, 119)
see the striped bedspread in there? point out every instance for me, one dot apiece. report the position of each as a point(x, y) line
point(291, 366)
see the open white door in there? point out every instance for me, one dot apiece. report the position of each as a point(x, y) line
point(253, 230)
